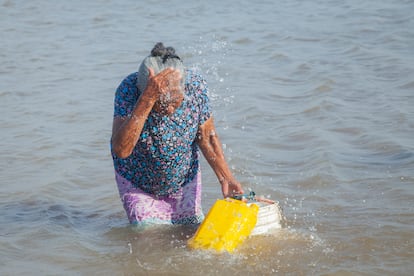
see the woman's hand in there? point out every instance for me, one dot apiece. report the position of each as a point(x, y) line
point(165, 90)
point(230, 187)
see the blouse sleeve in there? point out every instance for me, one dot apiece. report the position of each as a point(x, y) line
point(204, 101)
point(126, 96)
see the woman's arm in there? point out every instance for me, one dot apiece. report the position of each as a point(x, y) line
point(126, 130)
point(210, 146)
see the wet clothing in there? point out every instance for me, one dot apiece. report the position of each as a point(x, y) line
point(166, 157)
point(184, 207)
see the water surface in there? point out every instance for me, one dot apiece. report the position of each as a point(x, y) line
point(313, 102)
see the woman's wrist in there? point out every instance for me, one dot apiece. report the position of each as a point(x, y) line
point(225, 178)
point(142, 108)
point(148, 98)
point(150, 94)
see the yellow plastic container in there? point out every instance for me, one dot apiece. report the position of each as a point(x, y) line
point(228, 223)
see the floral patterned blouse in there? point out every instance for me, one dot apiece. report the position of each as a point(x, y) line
point(165, 157)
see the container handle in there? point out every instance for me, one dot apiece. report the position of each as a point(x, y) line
point(252, 196)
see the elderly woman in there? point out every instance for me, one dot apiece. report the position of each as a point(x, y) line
point(161, 119)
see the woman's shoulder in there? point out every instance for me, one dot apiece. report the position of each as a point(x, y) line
point(131, 78)
point(128, 83)
point(193, 74)
point(195, 80)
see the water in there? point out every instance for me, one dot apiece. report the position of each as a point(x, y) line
point(313, 102)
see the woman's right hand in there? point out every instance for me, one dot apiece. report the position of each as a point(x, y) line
point(167, 81)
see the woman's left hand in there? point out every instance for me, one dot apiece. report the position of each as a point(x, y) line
point(230, 187)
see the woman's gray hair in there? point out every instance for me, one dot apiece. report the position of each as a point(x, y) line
point(161, 58)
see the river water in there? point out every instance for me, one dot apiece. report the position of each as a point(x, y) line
point(313, 102)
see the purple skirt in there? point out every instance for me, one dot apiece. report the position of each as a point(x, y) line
point(183, 207)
